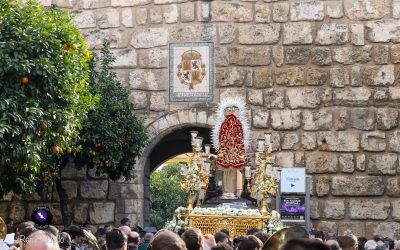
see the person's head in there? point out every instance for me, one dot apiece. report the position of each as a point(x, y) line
point(303, 244)
point(192, 239)
point(181, 231)
point(370, 245)
point(108, 228)
point(252, 231)
point(53, 230)
point(237, 240)
point(125, 229)
point(65, 241)
point(317, 234)
point(167, 240)
point(41, 240)
point(222, 246)
point(225, 231)
point(26, 231)
point(262, 236)
point(332, 244)
point(148, 236)
point(250, 243)
point(296, 232)
point(133, 239)
point(347, 242)
point(361, 243)
point(125, 222)
point(76, 234)
point(116, 240)
point(221, 237)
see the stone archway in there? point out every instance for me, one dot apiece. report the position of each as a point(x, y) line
point(170, 136)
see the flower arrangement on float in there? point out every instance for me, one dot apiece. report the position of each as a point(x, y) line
point(179, 220)
point(226, 211)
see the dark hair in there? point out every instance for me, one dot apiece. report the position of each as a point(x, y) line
point(125, 221)
point(167, 240)
point(75, 231)
point(53, 230)
point(222, 246)
point(65, 241)
point(220, 237)
point(346, 242)
point(318, 234)
point(250, 243)
point(262, 236)
point(237, 240)
point(192, 238)
point(361, 242)
point(252, 231)
point(225, 231)
point(115, 239)
point(133, 239)
point(296, 232)
point(26, 231)
point(304, 244)
point(181, 231)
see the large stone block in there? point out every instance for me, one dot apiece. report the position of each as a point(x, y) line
point(334, 209)
point(262, 13)
point(139, 98)
point(290, 140)
point(85, 19)
point(390, 230)
point(142, 79)
point(366, 9)
point(263, 77)
point(360, 162)
point(71, 172)
point(378, 75)
point(383, 31)
point(346, 163)
point(357, 186)
point(317, 120)
point(94, 189)
point(108, 18)
point(255, 97)
point(127, 17)
point(322, 185)
point(285, 159)
point(303, 98)
point(171, 13)
point(251, 56)
point(126, 58)
point(387, 119)
point(307, 10)
point(369, 209)
point(396, 210)
point(227, 33)
point(102, 212)
point(274, 98)
point(355, 76)
point(153, 58)
point(70, 188)
point(116, 3)
point(321, 56)
point(357, 34)
point(334, 9)
point(394, 141)
point(339, 77)
point(332, 33)
point(80, 212)
point(158, 101)
point(260, 118)
point(351, 96)
point(373, 141)
point(356, 227)
point(191, 32)
point(290, 76)
point(93, 4)
point(351, 55)
point(203, 11)
point(362, 118)
point(317, 77)
point(278, 55)
point(231, 12)
point(297, 55)
point(297, 33)
point(17, 212)
point(148, 38)
point(285, 119)
point(221, 56)
point(321, 162)
point(309, 140)
point(381, 54)
point(155, 14)
point(259, 34)
point(393, 186)
point(232, 76)
point(280, 12)
point(341, 141)
point(229, 92)
point(382, 164)
point(314, 209)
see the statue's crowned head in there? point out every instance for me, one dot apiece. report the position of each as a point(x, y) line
point(231, 110)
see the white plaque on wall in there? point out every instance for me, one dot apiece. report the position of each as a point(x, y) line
point(293, 180)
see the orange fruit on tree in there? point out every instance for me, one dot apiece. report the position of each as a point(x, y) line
point(65, 46)
point(74, 47)
point(97, 145)
point(55, 149)
point(106, 164)
point(25, 80)
point(54, 173)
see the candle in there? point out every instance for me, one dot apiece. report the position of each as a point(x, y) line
point(207, 166)
point(199, 142)
point(183, 168)
point(260, 145)
point(275, 172)
point(269, 169)
point(247, 171)
point(193, 134)
point(207, 148)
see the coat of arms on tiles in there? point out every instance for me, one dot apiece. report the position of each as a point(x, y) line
point(191, 72)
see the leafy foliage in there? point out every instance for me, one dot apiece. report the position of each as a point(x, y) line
point(166, 194)
point(44, 93)
point(112, 137)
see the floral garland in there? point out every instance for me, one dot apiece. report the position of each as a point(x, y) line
point(194, 173)
point(227, 211)
point(178, 220)
point(274, 223)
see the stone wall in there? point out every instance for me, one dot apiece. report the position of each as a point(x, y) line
point(321, 75)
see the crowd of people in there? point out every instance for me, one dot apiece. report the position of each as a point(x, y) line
point(27, 237)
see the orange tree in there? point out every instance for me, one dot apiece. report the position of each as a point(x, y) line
point(44, 93)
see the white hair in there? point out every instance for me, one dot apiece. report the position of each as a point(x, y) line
point(370, 245)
